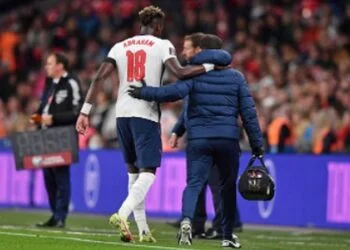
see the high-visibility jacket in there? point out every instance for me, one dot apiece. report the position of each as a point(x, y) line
point(319, 146)
point(274, 130)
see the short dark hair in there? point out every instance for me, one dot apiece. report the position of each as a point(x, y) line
point(210, 41)
point(195, 38)
point(62, 59)
point(149, 14)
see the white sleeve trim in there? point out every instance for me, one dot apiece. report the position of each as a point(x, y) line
point(168, 57)
point(168, 50)
point(75, 89)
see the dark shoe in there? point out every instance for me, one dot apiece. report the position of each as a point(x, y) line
point(213, 234)
point(60, 224)
point(49, 223)
point(198, 234)
point(231, 243)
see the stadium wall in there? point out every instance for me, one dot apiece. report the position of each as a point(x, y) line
point(312, 191)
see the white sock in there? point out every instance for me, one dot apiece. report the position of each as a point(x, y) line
point(137, 194)
point(139, 211)
point(140, 218)
point(131, 180)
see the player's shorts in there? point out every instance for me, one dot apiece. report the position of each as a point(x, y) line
point(140, 141)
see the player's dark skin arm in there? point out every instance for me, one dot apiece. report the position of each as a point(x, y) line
point(180, 72)
point(105, 71)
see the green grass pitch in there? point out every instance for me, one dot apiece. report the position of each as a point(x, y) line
point(17, 231)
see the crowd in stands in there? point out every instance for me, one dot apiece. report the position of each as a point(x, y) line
point(295, 56)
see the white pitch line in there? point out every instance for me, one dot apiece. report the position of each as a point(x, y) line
point(270, 237)
point(91, 241)
point(69, 231)
point(76, 231)
point(19, 234)
point(80, 229)
point(318, 244)
point(299, 240)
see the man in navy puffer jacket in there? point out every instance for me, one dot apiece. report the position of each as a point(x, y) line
point(215, 100)
point(191, 47)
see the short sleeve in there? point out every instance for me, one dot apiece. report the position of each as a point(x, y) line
point(167, 50)
point(112, 55)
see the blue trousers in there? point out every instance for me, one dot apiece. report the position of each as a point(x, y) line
point(57, 183)
point(202, 154)
point(200, 214)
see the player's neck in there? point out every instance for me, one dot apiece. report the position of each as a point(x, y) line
point(146, 30)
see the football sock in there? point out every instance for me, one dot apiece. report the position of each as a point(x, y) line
point(131, 180)
point(139, 211)
point(140, 218)
point(137, 194)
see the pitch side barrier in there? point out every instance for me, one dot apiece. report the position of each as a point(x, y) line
point(311, 191)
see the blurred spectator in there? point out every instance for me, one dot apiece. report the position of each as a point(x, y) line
point(344, 133)
point(294, 54)
point(280, 132)
point(84, 140)
point(167, 122)
point(324, 137)
point(9, 39)
point(3, 130)
point(302, 130)
point(100, 111)
point(16, 120)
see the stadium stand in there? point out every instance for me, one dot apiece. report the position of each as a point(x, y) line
point(295, 56)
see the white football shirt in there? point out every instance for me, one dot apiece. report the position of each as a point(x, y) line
point(138, 57)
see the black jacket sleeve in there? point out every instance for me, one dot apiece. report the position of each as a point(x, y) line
point(44, 97)
point(70, 116)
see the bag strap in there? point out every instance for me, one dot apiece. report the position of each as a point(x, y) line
point(261, 159)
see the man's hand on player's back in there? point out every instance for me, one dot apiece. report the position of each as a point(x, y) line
point(135, 91)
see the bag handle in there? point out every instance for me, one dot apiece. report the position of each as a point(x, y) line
point(261, 159)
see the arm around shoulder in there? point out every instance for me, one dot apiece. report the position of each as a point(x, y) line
point(168, 93)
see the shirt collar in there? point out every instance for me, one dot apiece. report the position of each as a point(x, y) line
point(57, 80)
